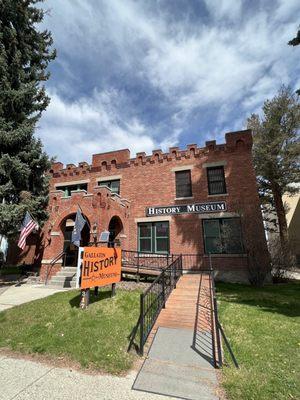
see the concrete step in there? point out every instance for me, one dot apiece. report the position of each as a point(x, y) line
point(33, 279)
point(61, 279)
point(68, 269)
point(66, 273)
point(65, 278)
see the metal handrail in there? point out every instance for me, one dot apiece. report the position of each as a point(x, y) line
point(213, 319)
point(160, 301)
point(190, 261)
point(141, 261)
point(147, 253)
point(157, 278)
point(52, 262)
point(218, 330)
point(150, 307)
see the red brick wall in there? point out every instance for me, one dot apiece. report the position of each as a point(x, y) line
point(149, 181)
point(32, 254)
point(98, 207)
point(47, 271)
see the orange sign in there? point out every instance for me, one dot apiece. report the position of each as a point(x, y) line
point(100, 266)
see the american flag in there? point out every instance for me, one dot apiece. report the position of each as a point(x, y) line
point(28, 225)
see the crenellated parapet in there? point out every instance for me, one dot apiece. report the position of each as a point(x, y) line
point(115, 160)
point(58, 169)
point(110, 159)
point(100, 196)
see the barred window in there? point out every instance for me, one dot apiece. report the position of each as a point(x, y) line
point(216, 180)
point(183, 183)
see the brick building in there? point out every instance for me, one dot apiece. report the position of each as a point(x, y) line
point(193, 201)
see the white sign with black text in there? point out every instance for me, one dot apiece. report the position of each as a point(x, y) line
point(197, 208)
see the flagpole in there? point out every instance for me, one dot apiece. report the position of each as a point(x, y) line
point(34, 220)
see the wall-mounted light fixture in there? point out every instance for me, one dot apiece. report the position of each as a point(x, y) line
point(95, 231)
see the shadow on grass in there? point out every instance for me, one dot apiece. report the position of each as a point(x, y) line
point(75, 301)
point(281, 298)
point(202, 339)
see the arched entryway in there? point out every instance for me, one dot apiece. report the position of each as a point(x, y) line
point(115, 227)
point(70, 250)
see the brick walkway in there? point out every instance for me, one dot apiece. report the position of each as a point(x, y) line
point(180, 361)
point(188, 306)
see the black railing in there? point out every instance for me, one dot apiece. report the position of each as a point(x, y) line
point(215, 334)
point(217, 329)
point(60, 255)
point(141, 262)
point(153, 300)
point(194, 262)
point(198, 262)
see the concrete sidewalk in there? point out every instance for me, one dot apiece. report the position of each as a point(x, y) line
point(174, 367)
point(23, 293)
point(24, 380)
point(180, 362)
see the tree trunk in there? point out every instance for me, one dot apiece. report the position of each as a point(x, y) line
point(280, 211)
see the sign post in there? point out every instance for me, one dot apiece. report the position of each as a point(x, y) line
point(85, 298)
point(113, 290)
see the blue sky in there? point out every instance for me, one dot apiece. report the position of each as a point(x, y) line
point(152, 74)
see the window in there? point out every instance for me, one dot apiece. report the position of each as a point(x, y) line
point(153, 237)
point(216, 180)
point(67, 189)
point(183, 183)
point(114, 185)
point(222, 236)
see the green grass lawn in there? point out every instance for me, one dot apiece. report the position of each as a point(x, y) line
point(263, 326)
point(55, 326)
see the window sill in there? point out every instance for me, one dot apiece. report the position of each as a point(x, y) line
point(184, 198)
point(149, 255)
point(218, 195)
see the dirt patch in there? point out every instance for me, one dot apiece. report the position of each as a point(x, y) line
point(63, 362)
point(220, 390)
point(132, 285)
point(129, 285)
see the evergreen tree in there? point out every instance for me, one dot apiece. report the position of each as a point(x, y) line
point(276, 153)
point(25, 53)
point(295, 42)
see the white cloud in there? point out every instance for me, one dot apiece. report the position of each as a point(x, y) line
point(224, 8)
point(231, 62)
point(285, 9)
point(73, 131)
point(221, 65)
